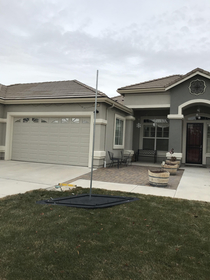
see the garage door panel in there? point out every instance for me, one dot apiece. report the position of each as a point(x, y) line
point(63, 149)
point(58, 140)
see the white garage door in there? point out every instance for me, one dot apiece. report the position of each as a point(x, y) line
point(52, 140)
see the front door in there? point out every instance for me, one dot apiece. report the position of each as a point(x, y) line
point(194, 147)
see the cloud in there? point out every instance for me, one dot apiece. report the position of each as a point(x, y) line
point(49, 39)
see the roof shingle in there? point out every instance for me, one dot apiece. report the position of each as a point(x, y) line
point(157, 83)
point(60, 89)
point(164, 82)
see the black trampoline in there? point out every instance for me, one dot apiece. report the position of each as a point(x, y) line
point(85, 201)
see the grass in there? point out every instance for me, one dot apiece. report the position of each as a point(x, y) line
point(152, 238)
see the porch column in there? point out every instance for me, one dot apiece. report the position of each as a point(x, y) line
point(99, 151)
point(128, 147)
point(2, 137)
point(175, 133)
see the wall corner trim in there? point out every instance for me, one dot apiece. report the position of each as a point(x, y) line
point(130, 118)
point(99, 154)
point(3, 120)
point(101, 121)
point(175, 117)
point(2, 149)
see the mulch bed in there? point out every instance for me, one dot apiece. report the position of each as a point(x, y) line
point(136, 175)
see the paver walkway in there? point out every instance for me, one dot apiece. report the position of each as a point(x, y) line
point(136, 175)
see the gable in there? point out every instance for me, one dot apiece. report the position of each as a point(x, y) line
point(192, 74)
point(195, 88)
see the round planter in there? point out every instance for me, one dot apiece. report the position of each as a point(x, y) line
point(177, 162)
point(158, 178)
point(171, 168)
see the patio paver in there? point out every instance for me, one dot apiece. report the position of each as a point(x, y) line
point(134, 175)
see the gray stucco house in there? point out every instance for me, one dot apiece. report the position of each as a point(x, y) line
point(172, 112)
point(52, 122)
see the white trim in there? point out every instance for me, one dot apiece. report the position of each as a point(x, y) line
point(189, 102)
point(101, 121)
point(177, 155)
point(119, 146)
point(187, 78)
point(130, 118)
point(175, 117)
point(148, 106)
point(9, 128)
point(99, 154)
point(141, 90)
point(50, 100)
point(2, 149)
point(3, 120)
point(127, 152)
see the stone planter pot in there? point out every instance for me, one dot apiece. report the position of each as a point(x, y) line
point(177, 162)
point(171, 168)
point(158, 178)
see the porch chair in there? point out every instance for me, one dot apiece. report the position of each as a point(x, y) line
point(114, 159)
point(126, 159)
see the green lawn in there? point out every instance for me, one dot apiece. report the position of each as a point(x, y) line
point(152, 238)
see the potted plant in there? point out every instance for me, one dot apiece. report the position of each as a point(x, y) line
point(173, 160)
point(170, 167)
point(158, 178)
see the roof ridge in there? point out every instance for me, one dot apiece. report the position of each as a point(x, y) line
point(39, 83)
point(89, 87)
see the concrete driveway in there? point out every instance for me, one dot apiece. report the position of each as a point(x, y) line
point(19, 177)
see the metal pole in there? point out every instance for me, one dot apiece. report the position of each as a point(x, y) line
point(94, 125)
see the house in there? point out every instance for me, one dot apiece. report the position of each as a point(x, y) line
point(172, 112)
point(52, 122)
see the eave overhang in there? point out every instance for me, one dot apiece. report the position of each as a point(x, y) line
point(143, 90)
point(28, 101)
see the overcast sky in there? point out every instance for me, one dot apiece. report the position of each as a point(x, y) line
point(128, 41)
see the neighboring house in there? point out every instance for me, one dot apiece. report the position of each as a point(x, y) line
point(52, 122)
point(172, 112)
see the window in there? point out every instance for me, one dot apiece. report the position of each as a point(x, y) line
point(17, 120)
point(44, 120)
point(75, 120)
point(25, 120)
point(85, 121)
point(65, 120)
point(35, 120)
point(54, 121)
point(119, 132)
point(155, 134)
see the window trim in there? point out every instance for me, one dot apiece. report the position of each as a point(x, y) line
point(120, 147)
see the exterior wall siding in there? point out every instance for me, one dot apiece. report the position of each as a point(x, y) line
point(141, 99)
